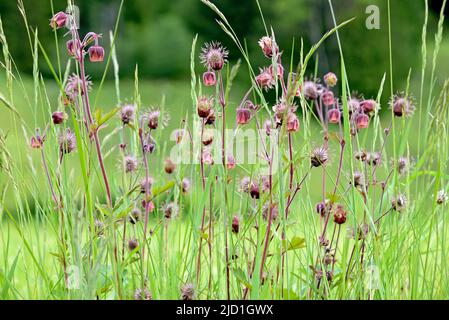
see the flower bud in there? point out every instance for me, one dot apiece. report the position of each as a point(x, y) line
point(59, 117)
point(170, 166)
point(235, 224)
point(339, 215)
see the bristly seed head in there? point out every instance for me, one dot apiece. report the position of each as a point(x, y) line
point(127, 113)
point(442, 197)
point(130, 164)
point(214, 56)
point(67, 142)
point(402, 106)
point(330, 79)
point(188, 292)
point(319, 157)
point(265, 79)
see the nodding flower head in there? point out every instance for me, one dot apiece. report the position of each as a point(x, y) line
point(254, 190)
point(243, 115)
point(208, 137)
point(133, 244)
point(235, 224)
point(354, 105)
point(59, 117)
point(135, 215)
point(188, 292)
point(442, 197)
point(130, 164)
point(268, 209)
point(127, 113)
point(209, 78)
point(309, 90)
point(339, 215)
point(362, 121)
point(185, 185)
point(330, 79)
point(319, 157)
point(144, 294)
point(292, 122)
point(268, 46)
point(145, 185)
point(399, 203)
point(230, 163)
point(402, 106)
point(170, 210)
point(265, 79)
point(67, 142)
point(267, 127)
point(328, 98)
point(74, 87)
point(37, 141)
point(245, 184)
point(402, 165)
point(334, 115)
point(73, 49)
point(96, 53)
point(59, 20)
point(155, 118)
point(207, 157)
point(204, 106)
point(213, 55)
point(368, 106)
point(169, 166)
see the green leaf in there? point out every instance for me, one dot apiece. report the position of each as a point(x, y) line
point(295, 243)
point(241, 277)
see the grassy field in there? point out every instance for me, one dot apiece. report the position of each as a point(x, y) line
point(354, 208)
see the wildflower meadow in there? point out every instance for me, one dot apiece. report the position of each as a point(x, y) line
point(288, 185)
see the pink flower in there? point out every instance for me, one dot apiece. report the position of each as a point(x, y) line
point(59, 20)
point(243, 116)
point(265, 79)
point(328, 98)
point(362, 121)
point(268, 46)
point(209, 78)
point(292, 122)
point(334, 115)
point(368, 106)
point(96, 53)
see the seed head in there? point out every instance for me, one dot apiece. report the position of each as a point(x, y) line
point(369, 106)
point(135, 215)
point(310, 90)
point(330, 79)
point(188, 292)
point(170, 210)
point(213, 56)
point(399, 203)
point(67, 142)
point(402, 106)
point(144, 294)
point(185, 185)
point(319, 157)
point(130, 164)
point(266, 211)
point(442, 197)
point(127, 113)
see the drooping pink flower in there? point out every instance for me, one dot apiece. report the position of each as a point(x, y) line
point(59, 20)
point(209, 78)
point(268, 46)
point(96, 53)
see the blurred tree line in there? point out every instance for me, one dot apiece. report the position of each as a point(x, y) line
point(157, 34)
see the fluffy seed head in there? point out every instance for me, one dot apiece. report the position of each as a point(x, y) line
point(402, 106)
point(130, 164)
point(265, 79)
point(319, 157)
point(67, 142)
point(127, 113)
point(188, 292)
point(213, 55)
point(442, 197)
point(144, 294)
